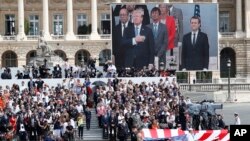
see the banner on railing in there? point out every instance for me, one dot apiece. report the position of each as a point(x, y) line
point(179, 135)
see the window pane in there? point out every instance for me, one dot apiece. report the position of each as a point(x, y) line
point(108, 16)
point(58, 25)
point(105, 24)
point(9, 24)
point(103, 16)
point(34, 25)
point(224, 22)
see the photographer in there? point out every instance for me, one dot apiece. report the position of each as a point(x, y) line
point(19, 75)
point(57, 72)
point(91, 64)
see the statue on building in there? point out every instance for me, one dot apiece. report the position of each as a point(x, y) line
point(45, 52)
point(45, 49)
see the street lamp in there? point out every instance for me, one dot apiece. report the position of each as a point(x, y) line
point(229, 67)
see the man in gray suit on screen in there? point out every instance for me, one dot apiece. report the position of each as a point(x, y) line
point(160, 35)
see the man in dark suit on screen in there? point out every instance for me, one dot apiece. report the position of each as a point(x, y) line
point(118, 50)
point(139, 43)
point(195, 47)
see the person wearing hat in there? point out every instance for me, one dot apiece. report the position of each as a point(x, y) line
point(237, 119)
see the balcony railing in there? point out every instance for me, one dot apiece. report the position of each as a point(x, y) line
point(105, 36)
point(9, 38)
point(213, 87)
point(82, 37)
point(32, 37)
point(227, 34)
point(102, 36)
point(56, 37)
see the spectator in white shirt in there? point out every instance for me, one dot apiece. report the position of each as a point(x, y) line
point(237, 119)
point(23, 86)
point(111, 69)
point(79, 108)
point(188, 101)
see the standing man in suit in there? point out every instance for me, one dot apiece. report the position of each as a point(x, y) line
point(31, 84)
point(160, 35)
point(118, 50)
point(139, 43)
point(195, 47)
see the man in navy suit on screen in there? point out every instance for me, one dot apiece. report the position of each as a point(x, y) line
point(139, 43)
point(195, 47)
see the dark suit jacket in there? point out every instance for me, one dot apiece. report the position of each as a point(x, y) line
point(141, 54)
point(161, 41)
point(31, 84)
point(118, 50)
point(195, 57)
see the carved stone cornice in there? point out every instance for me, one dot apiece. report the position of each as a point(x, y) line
point(83, 1)
point(9, 1)
point(59, 1)
point(33, 1)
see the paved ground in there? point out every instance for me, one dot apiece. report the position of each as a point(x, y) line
point(228, 111)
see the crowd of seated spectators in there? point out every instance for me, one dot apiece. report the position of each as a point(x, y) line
point(36, 111)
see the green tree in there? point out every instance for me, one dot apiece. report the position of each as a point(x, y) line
point(26, 26)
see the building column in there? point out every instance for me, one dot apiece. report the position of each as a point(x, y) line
point(21, 34)
point(190, 1)
point(46, 33)
point(166, 1)
point(94, 34)
point(70, 34)
point(214, 1)
point(247, 18)
point(239, 33)
point(142, 1)
point(247, 28)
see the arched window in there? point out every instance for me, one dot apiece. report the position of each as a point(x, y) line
point(30, 56)
point(9, 59)
point(82, 57)
point(225, 54)
point(61, 54)
point(104, 56)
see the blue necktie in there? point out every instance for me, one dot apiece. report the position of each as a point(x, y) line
point(136, 31)
point(155, 31)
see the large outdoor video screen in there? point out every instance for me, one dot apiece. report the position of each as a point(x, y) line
point(166, 36)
